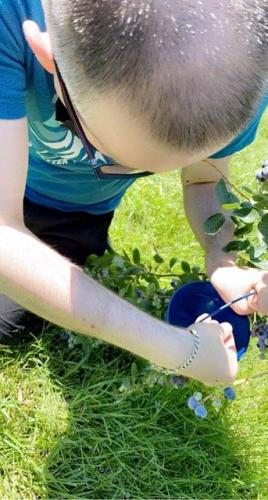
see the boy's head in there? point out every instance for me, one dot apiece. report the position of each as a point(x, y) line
point(161, 83)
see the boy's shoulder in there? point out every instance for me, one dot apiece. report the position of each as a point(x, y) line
point(17, 7)
point(19, 10)
point(17, 64)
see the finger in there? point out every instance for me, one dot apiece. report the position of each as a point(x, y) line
point(247, 305)
point(204, 318)
point(253, 302)
point(226, 332)
point(241, 309)
point(228, 338)
point(232, 348)
point(230, 344)
point(227, 328)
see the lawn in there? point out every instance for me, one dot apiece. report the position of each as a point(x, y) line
point(82, 420)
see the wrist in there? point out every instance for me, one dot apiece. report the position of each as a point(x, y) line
point(167, 346)
point(158, 342)
point(189, 359)
point(215, 261)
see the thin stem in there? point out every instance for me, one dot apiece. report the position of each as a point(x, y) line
point(148, 273)
point(228, 181)
point(249, 379)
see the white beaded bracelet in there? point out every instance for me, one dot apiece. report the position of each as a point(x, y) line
point(187, 362)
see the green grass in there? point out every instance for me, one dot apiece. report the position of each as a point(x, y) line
point(68, 431)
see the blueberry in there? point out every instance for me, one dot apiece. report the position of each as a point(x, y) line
point(201, 411)
point(64, 335)
point(259, 176)
point(261, 344)
point(198, 396)
point(192, 403)
point(178, 381)
point(229, 393)
point(265, 170)
point(138, 293)
point(260, 330)
point(262, 334)
point(262, 174)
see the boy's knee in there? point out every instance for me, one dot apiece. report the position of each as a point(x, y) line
point(17, 325)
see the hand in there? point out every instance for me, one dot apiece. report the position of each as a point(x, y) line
point(216, 361)
point(232, 282)
point(259, 303)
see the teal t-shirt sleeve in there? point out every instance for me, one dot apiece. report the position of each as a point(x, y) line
point(248, 134)
point(12, 62)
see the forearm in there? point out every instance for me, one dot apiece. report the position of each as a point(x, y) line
point(200, 202)
point(44, 282)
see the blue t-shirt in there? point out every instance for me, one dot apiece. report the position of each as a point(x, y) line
point(60, 175)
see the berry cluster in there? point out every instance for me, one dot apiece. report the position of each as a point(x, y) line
point(178, 381)
point(262, 174)
point(260, 331)
point(197, 403)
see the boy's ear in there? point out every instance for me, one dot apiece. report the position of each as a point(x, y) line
point(40, 45)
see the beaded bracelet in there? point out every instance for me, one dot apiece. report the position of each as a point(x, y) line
point(187, 362)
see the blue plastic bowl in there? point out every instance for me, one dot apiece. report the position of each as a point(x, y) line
point(199, 297)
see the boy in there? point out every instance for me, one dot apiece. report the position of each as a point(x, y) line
point(92, 91)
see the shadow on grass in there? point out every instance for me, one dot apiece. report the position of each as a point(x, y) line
point(127, 439)
point(92, 426)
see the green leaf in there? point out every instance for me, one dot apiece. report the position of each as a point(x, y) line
point(158, 259)
point(240, 231)
point(263, 265)
point(227, 199)
point(261, 201)
point(122, 292)
point(257, 251)
point(230, 206)
point(126, 256)
point(103, 261)
point(246, 213)
point(263, 227)
point(119, 261)
point(146, 304)
point(247, 189)
point(214, 224)
point(134, 271)
point(157, 302)
point(245, 209)
point(185, 267)
point(222, 192)
point(150, 278)
point(236, 245)
point(264, 187)
point(172, 262)
point(136, 256)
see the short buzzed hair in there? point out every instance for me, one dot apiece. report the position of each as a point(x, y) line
point(195, 71)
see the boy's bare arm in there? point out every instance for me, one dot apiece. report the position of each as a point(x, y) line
point(200, 202)
point(44, 282)
point(48, 284)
